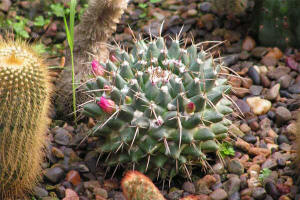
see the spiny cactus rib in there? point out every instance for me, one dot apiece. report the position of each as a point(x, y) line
point(137, 186)
point(24, 102)
point(159, 109)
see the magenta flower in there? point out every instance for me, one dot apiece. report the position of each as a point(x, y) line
point(97, 68)
point(190, 107)
point(107, 105)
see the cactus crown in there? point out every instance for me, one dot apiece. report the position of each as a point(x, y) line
point(24, 101)
point(160, 109)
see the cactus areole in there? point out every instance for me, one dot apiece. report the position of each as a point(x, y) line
point(159, 109)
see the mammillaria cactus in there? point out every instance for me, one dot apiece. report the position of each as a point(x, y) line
point(24, 101)
point(159, 109)
point(137, 186)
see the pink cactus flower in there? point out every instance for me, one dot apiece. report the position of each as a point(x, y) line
point(107, 105)
point(97, 68)
point(190, 107)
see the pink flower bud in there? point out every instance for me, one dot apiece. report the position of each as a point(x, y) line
point(97, 68)
point(190, 107)
point(107, 105)
point(113, 58)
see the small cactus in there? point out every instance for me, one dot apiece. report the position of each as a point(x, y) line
point(137, 186)
point(159, 110)
point(24, 102)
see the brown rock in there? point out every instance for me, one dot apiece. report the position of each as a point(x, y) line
point(248, 43)
point(242, 144)
point(260, 151)
point(240, 92)
point(259, 159)
point(269, 60)
point(73, 177)
point(235, 81)
point(247, 82)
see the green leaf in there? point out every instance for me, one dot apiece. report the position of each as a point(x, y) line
point(40, 21)
point(226, 149)
point(155, 1)
point(58, 9)
point(264, 173)
point(143, 5)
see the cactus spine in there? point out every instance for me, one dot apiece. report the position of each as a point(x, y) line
point(24, 101)
point(159, 109)
point(137, 186)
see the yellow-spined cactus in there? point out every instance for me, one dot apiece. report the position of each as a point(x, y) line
point(24, 102)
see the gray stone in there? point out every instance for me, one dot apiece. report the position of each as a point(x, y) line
point(255, 90)
point(254, 75)
point(259, 193)
point(232, 185)
point(282, 115)
point(54, 174)
point(40, 192)
point(189, 187)
point(62, 138)
point(218, 194)
point(235, 167)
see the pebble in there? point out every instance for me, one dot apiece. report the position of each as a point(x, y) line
point(54, 174)
point(272, 189)
point(62, 138)
point(218, 168)
point(71, 195)
point(232, 185)
point(282, 115)
point(270, 163)
point(245, 128)
point(254, 75)
point(40, 192)
point(189, 187)
point(250, 138)
point(259, 52)
point(218, 194)
point(285, 81)
point(235, 167)
point(295, 88)
point(248, 43)
point(259, 193)
point(73, 177)
point(273, 93)
point(282, 139)
point(258, 105)
point(256, 90)
point(243, 106)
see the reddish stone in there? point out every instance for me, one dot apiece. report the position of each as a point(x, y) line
point(73, 177)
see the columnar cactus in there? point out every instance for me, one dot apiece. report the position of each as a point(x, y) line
point(276, 22)
point(137, 186)
point(24, 101)
point(159, 109)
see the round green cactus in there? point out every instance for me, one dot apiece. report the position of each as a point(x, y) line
point(159, 109)
point(24, 101)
